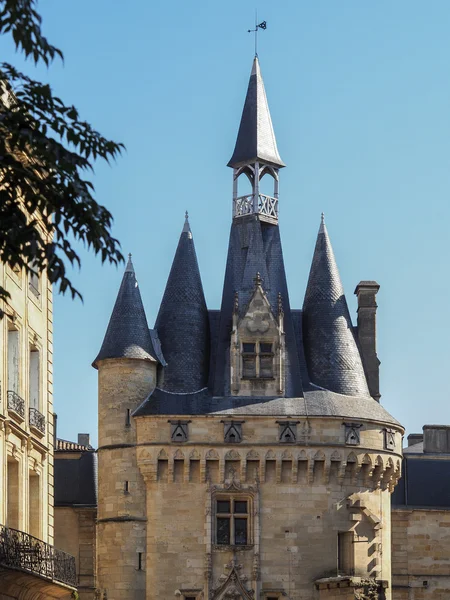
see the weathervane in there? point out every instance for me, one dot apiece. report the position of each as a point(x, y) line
point(262, 25)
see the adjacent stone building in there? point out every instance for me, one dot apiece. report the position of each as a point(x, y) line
point(30, 567)
point(243, 452)
point(421, 518)
point(76, 508)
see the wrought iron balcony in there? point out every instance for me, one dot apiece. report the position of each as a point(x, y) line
point(37, 420)
point(20, 550)
point(265, 205)
point(16, 403)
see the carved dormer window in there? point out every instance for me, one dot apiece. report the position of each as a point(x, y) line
point(233, 432)
point(257, 360)
point(179, 431)
point(287, 432)
point(352, 435)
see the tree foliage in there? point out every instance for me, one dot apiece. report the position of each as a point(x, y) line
point(46, 156)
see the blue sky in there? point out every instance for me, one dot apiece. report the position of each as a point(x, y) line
point(360, 99)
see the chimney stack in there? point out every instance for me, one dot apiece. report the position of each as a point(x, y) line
point(415, 438)
point(436, 439)
point(366, 292)
point(84, 439)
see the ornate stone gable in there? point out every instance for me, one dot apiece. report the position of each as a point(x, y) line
point(257, 347)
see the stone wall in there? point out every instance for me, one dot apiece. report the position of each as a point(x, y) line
point(301, 496)
point(420, 554)
point(75, 533)
point(121, 525)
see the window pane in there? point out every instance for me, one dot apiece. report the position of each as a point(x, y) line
point(264, 347)
point(249, 366)
point(248, 347)
point(266, 366)
point(223, 506)
point(223, 530)
point(240, 506)
point(240, 531)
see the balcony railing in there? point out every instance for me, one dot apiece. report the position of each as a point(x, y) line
point(37, 420)
point(265, 205)
point(20, 550)
point(16, 403)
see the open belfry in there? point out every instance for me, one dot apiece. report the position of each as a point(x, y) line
point(243, 452)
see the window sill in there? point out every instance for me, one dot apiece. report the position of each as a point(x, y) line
point(232, 548)
point(257, 378)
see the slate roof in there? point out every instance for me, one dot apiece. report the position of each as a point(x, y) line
point(76, 480)
point(425, 483)
point(66, 446)
point(315, 403)
point(183, 322)
point(128, 335)
point(332, 355)
point(256, 138)
point(254, 247)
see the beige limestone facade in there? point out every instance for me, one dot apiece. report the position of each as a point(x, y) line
point(26, 440)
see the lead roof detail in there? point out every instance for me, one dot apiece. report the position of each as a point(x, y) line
point(332, 356)
point(128, 335)
point(256, 138)
point(183, 323)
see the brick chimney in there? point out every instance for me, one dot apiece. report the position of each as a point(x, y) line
point(366, 292)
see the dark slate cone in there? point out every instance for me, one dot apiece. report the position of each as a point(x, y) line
point(256, 138)
point(332, 355)
point(183, 324)
point(127, 335)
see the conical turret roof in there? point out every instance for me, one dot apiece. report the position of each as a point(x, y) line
point(183, 323)
point(332, 355)
point(256, 138)
point(128, 335)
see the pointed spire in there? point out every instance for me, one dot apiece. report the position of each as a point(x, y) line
point(331, 352)
point(183, 322)
point(187, 227)
point(256, 138)
point(128, 335)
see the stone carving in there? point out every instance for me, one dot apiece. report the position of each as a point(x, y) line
point(178, 455)
point(352, 436)
point(252, 455)
point(232, 455)
point(212, 455)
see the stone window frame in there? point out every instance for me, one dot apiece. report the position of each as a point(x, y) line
point(283, 427)
point(179, 426)
point(233, 496)
point(257, 355)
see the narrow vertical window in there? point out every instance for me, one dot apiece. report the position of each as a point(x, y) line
point(34, 392)
point(248, 360)
point(128, 418)
point(34, 282)
point(126, 488)
point(139, 561)
point(345, 553)
point(13, 360)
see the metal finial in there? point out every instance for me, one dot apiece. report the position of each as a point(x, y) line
point(258, 279)
point(129, 267)
point(262, 25)
point(187, 227)
point(322, 223)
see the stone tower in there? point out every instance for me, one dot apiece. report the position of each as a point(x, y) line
point(266, 462)
point(126, 367)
